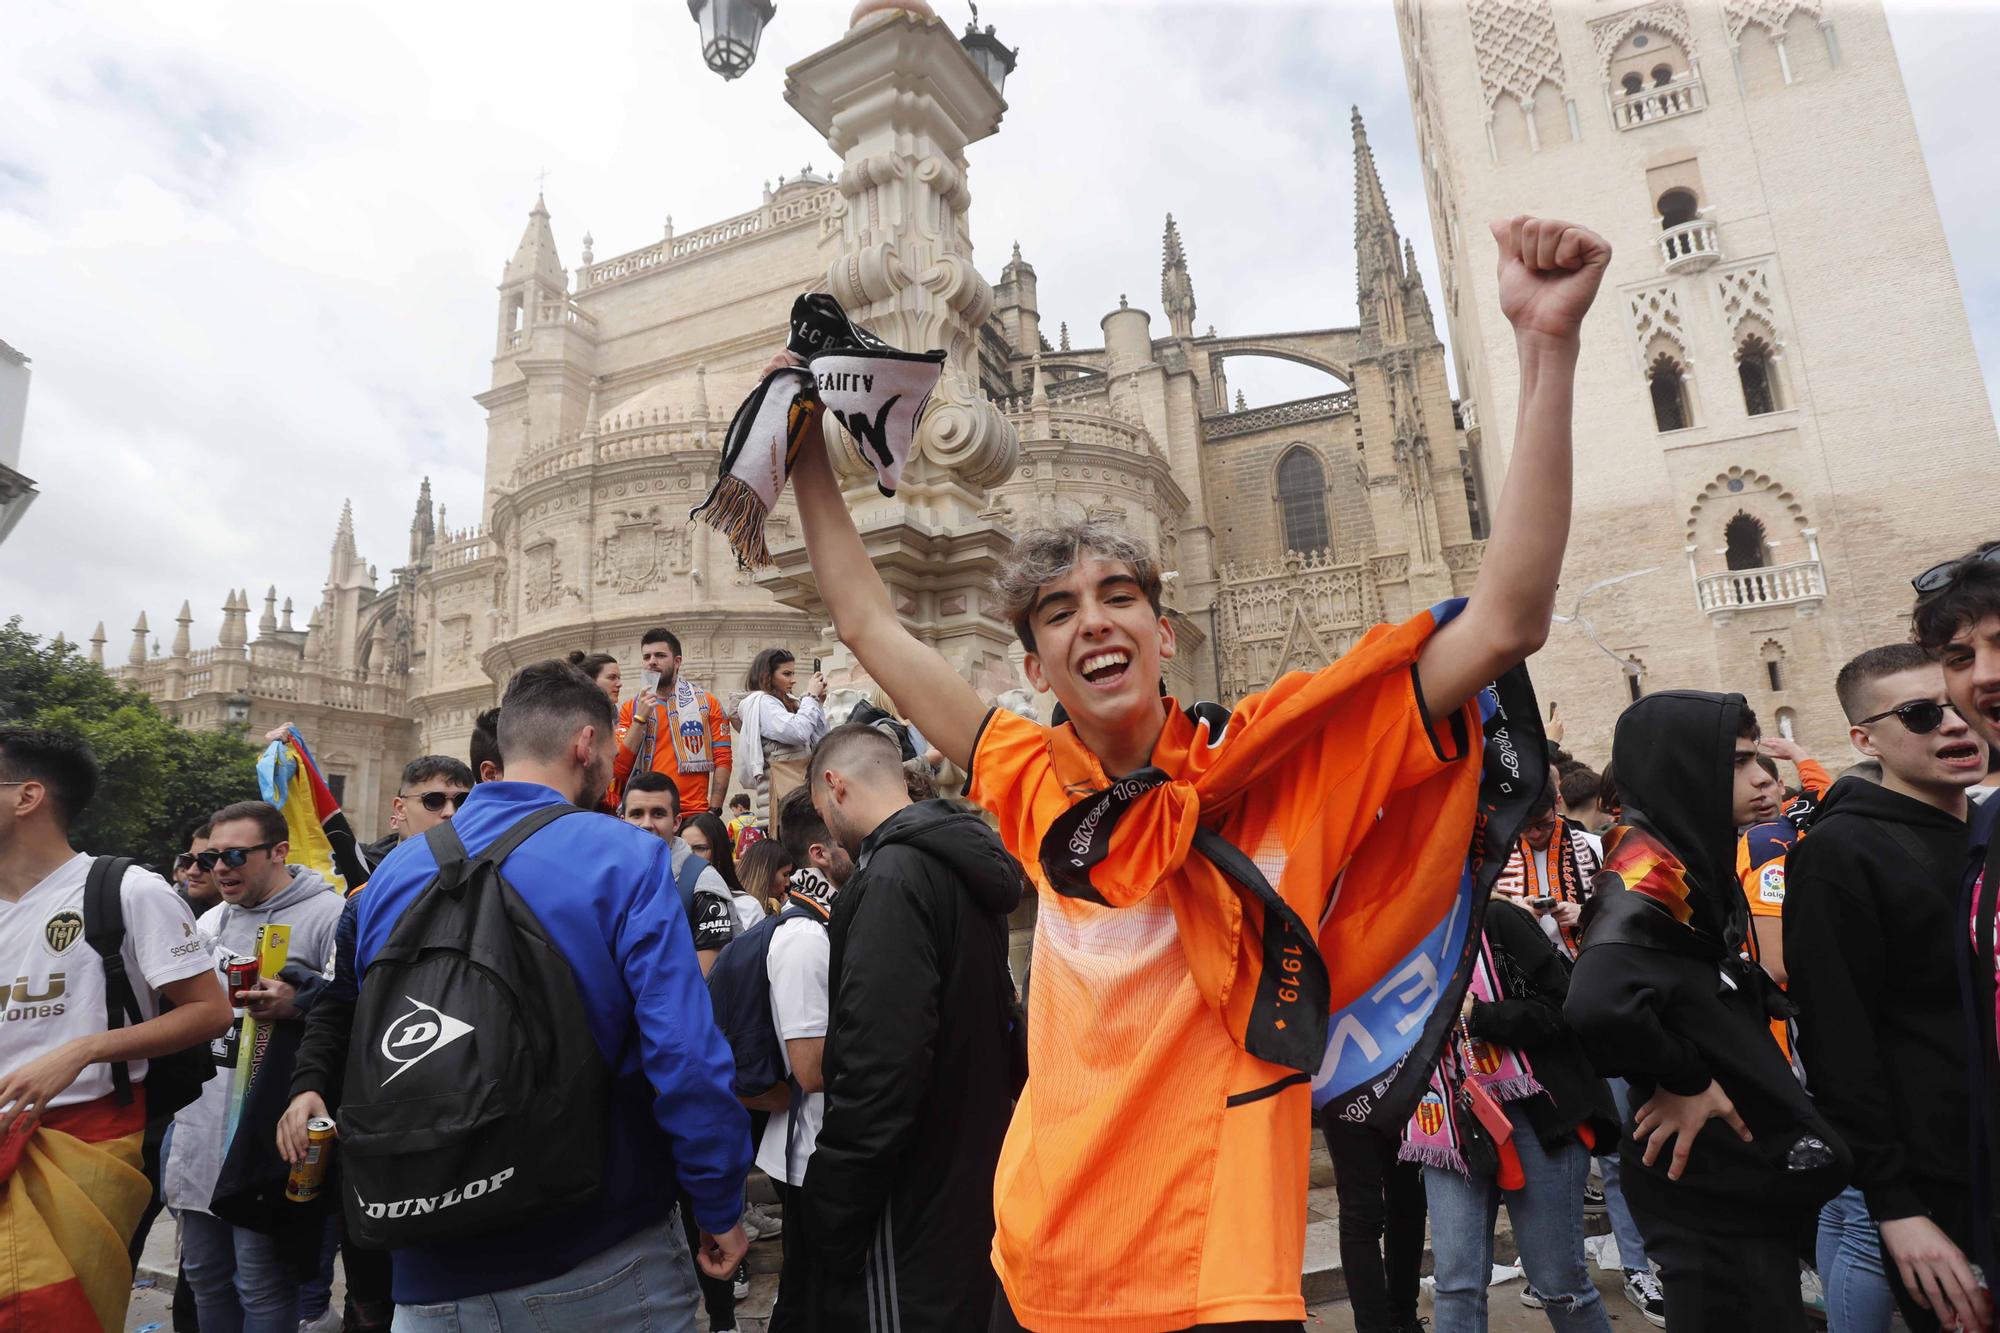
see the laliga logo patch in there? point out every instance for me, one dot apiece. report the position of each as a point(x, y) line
point(62, 931)
point(418, 1034)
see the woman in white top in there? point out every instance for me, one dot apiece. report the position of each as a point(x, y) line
point(776, 732)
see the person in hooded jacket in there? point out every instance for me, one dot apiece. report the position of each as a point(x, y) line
point(1725, 1159)
point(1872, 932)
point(918, 1072)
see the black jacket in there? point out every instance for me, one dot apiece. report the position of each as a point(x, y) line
point(1871, 933)
point(1976, 910)
point(917, 1065)
point(1530, 1020)
point(329, 1027)
point(1666, 1004)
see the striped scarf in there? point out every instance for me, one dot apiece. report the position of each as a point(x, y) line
point(1433, 1136)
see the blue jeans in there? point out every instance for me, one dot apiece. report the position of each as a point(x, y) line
point(1849, 1255)
point(239, 1284)
point(645, 1281)
point(1547, 1212)
point(1631, 1245)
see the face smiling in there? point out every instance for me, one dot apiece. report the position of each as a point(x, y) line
point(1100, 646)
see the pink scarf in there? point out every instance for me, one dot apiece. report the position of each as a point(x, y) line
point(1432, 1136)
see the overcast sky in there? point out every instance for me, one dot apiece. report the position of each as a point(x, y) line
point(252, 248)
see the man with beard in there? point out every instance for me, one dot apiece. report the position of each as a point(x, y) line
point(1663, 997)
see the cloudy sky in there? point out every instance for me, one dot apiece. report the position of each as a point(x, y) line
point(252, 248)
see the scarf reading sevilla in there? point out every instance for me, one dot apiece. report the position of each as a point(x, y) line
point(875, 391)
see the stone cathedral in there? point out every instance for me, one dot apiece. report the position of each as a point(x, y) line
point(1287, 529)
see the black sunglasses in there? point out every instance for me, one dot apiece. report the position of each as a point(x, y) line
point(1937, 576)
point(184, 860)
point(233, 857)
point(436, 801)
point(1920, 717)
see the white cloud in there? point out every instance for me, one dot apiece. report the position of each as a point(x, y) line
point(252, 248)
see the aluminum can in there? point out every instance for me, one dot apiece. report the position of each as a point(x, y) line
point(241, 975)
point(309, 1172)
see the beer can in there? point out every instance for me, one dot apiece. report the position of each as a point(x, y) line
point(309, 1172)
point(241, 975)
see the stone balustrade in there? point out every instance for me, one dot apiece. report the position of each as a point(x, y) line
point(1800, 583)
point(1225, 424)
point(1082, 427)
point(672, 249)
point(1662, 101)
point(1690, 246)
point(462, 548)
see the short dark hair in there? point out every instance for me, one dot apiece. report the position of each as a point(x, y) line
point(63, 765)
point(653, 780)
point(545, 704)
point(799, 827)
point(425, 767)
point(485, 748)
point(1746, 725)
point(859, 745)
point(1047, 555)
point(1580, 784)
point(764, 666)
point(269, 820)
point(591, 664)
point(661, 634)
point(200, 832)
point(1607, 792)
point(740, 801)
point(1871, 666)
point(1968, 597)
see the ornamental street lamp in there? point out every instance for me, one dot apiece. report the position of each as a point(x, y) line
point(236, 709)
point(729, 32)
point(988, 52)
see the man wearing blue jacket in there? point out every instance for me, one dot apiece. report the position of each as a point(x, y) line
point(604, 893)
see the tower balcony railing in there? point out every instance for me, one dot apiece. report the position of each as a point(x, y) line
point(1690, 246)
point(1662, 101)
point(1798, 584)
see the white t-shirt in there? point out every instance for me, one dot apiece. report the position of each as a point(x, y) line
point(797, 966)
point(57, 993)
point(747, 909)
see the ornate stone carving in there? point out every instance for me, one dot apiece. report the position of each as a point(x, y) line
point(1515, 42)
point(1772, 15)
point(1652, 311)
point(629, 560)
point(542, 587)
point(1744, 293)
point(1666, 16)
point(456, 639)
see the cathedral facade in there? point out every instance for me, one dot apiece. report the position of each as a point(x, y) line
point(1780, 419)
point(1285, 529)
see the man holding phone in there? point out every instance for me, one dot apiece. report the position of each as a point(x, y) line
point(1550, 870)
point(675, 727)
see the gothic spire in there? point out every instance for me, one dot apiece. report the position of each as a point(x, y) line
point(423, 528)
point(535, 257)
point(1176, 287)
point(97, 644)
point(1375, 248)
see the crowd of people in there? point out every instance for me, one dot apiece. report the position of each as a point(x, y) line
point(542, 1038)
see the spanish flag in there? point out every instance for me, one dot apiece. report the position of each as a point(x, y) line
point(318, 831)
point(71, 1192)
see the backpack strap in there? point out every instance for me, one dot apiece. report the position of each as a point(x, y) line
point(452, 857)
point(1910, 843)
point(104, 928)
point(685, 879)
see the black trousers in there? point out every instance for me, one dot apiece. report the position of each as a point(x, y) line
point(369, 1304)
point(1381, 1225)
point(1725, 1283)
point(799, 1296)
point(718, 1294)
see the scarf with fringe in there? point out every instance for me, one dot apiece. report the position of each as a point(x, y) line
point(1433, 1136)
point(875, 391)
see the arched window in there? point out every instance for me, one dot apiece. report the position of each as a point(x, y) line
point(1754, 369)
point(1677, 207)
point(1302, 501)
point(1669, 389)
point(1632, 83)
point(1774, 665)
point(1662, 75)
point(1746, 543)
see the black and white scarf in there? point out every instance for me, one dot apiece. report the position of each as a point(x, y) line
point(874, 390)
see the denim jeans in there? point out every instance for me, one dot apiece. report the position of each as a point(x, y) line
point(239, 1284)
point(1547, 1213)
point(1631, 1245)
point(1849, 1255)
point(643, 1284)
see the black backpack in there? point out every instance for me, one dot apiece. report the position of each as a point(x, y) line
point(476, 1098)
point(739, 990)
point(172, 1081)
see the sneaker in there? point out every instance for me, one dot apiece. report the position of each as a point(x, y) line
point(759, 1224)
point(1593, 1198)
point(327, 1321)
point(1643, 1290)
point(740, 1288)
point(1529, 1299)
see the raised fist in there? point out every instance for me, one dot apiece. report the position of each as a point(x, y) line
point(1549, 274)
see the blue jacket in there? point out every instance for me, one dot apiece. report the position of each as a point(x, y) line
point(604, 892)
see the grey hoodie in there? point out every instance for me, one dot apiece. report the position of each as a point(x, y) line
point(311, 907)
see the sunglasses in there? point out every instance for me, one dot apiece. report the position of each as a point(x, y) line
point(1937, 576)
point(233, 857)
point(436, 801)
point(183, 861)
point(1919, 718)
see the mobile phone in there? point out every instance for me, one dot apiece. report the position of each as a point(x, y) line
point(1546, 903)
point(815, 666)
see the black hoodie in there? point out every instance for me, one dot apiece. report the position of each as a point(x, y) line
point(1666, 1004)
point(1871, 936)
point(918, 1068)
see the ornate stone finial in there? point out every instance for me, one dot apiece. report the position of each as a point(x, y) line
point(1123, 304)
point(701, 390)
point(589, 253)
point(1017, 252)
point(59, 643)
point(869, 8)
point(181, 645)
point(97, 644)
point(1176, 287)
point(285, 624)
point(1064, 345)
point(267, 624)
point(1241, 405)
point(137, 656)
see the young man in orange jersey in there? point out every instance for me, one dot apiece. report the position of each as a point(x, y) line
point(1154, 1172)
point(673, 726)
